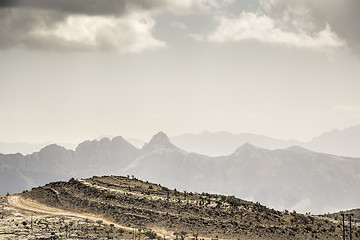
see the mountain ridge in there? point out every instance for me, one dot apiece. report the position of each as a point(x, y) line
point(335, 142)
point(271, 177)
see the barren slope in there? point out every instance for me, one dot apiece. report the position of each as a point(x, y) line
point(134, 203)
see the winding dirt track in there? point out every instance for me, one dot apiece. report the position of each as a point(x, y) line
point(28, 205)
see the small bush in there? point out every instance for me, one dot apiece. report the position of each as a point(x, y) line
point(151, 234)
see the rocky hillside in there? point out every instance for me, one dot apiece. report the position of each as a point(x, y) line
point(355, 215)
point(18, 224)
point(144, 205)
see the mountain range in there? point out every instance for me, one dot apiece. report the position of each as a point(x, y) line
point(293, 178)
point(336, 142)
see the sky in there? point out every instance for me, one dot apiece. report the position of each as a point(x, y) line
point(72, 70)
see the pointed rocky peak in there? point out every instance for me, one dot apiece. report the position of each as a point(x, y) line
point(160, 140)
point(246, 147)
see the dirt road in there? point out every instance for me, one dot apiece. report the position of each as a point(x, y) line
point(29, 205)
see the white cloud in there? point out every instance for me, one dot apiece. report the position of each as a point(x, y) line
point(259, 27)
point(132, 33)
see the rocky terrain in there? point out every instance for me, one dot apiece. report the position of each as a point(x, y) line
point(17, 223)
point(355, 216)
point(132, 203)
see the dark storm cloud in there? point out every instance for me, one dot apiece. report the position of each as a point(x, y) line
point(342, 16)
point(17, 24)
point(87, 7)
point(22, 20)
point(124, 25)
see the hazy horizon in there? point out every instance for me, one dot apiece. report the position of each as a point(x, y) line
point(171, 136)
point(73, 70)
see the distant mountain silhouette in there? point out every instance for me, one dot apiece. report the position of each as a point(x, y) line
point(291, 178)
point(225, 143)
point(336, 142)
point(54, 162)
point(342, 143)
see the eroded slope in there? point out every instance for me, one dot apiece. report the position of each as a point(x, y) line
point(139, 204)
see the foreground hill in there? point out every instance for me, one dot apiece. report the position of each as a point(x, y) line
point(144, 205)
point(355, 215)
point(292, 178)
point(17, 223)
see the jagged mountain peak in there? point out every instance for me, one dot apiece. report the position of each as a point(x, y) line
point(160, 137)
point(160, 140)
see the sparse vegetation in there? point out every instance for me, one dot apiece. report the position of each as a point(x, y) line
point(150, 234)
point(150, 206)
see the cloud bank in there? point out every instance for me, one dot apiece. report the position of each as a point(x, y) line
point(124, 26)
point(39, 29)
point(252, 26)
point(298, 23)
point(342, 16)
point(128, 25)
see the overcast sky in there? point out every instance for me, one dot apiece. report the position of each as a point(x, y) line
point(72, 70)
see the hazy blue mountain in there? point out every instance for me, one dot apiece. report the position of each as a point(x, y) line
point(336, 142)
point(342, 143)
point(225, 143)
point(19, 172)
point(293, 178)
